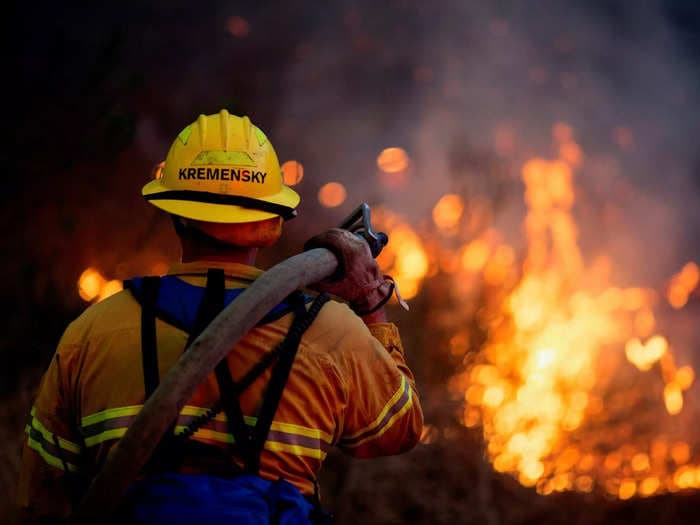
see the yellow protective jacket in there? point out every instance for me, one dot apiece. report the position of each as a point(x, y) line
point(349, 386)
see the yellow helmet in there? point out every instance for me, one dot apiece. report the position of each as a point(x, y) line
point(222, 168)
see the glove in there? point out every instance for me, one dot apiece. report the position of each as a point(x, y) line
point(358, 279)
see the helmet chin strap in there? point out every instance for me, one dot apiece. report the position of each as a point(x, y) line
point(188, 231)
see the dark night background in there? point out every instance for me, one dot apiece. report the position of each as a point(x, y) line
point(94, 94)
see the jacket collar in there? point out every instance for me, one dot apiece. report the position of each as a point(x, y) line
point(195, 272)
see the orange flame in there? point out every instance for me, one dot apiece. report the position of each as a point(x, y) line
point(533, 385)
point(404, 258)
point(558, 336)
point(157, 172)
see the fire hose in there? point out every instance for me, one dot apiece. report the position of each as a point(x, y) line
point(133, 450)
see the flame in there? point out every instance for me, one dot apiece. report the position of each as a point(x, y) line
point(475, 255)
point(428, 434)
point(404, 257)
point(565, 361)
point(92, 286)
point(157, 172)
point(539, 381)
point(292, 172)
point(332, 194)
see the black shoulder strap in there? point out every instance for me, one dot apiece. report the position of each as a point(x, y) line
point(249, 441)
point(149, 355)
point(149, 347)
point(280, 374)
point(212, 303)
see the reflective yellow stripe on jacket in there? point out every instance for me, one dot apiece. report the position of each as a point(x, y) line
point(399, 403)
point(54, 449)
point(283, 437)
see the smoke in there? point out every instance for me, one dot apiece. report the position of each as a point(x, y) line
point(470, 88)
point(488, 80)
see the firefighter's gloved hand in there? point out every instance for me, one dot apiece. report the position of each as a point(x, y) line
point(358, 279)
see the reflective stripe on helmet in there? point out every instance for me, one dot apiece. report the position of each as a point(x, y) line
point(216, 198)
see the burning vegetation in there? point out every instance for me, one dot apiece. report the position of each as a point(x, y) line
point(573, 384)
point(575, 387)
point(567, 382)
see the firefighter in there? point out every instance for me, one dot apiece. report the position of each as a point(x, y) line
point(348, 383)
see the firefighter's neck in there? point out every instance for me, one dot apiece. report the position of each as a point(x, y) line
point(193, 251)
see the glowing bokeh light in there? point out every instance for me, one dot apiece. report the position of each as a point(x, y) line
point(92, 286)
point(292, 172)
point(238, 26)
point(393, 160)
point(448, 211)
point(332, 194)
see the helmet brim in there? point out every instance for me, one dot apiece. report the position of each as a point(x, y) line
point(224, 213)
